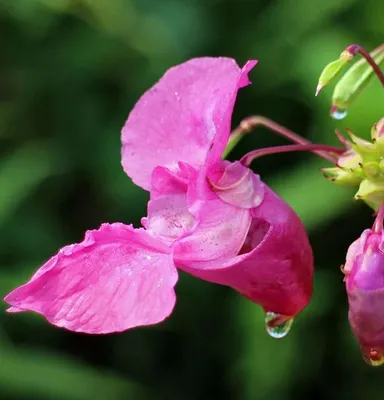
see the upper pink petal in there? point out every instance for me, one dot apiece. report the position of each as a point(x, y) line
point(186, 117)
point(275, 267)
point(116, 279)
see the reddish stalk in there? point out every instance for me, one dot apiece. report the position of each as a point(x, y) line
point(252, 155)
point(248, 124)
point(357, 49)
point(378, 224)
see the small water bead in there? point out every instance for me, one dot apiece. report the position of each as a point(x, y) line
point(277, 325)
point(338, 113)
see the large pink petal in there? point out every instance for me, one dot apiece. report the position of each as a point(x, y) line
point(116, 279)
point(185, 117)
point(276, 267)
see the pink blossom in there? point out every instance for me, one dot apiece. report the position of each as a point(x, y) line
point(211, 218)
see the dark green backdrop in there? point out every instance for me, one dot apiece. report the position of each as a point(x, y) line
point(71, 70)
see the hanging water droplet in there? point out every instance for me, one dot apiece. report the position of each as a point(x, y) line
point(338, 113)
point(277, 325)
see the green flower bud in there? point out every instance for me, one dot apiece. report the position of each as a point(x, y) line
point(377, 133)
point(341, 176)
point(362, 164)
point(330, 72)
point(372, 192)
point(353, 82)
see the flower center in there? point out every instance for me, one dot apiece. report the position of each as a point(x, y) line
point(237, 185)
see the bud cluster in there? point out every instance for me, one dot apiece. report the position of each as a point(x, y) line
point(362, 165)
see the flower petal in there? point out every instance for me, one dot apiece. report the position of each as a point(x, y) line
point(116, 279)
point(276, 267)
point(209, 230)
point(169, 218)
point(239, 186)
point(185, 117)
point(168, 215)
point(220, 233)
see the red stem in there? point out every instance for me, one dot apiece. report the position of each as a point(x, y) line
point(252, 122)
point(355, 48)
point(257, 120)
point(252, 155)
point(378, 224)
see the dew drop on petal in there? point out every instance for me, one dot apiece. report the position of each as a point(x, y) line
point(277, 325)
point(338, 113)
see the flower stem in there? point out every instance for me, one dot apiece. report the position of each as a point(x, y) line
point(329, 150)
point(378, 224)
point(257, 120)
point(353, 49)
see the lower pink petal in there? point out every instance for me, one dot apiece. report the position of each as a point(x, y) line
point(275, 267)
point(116, 279)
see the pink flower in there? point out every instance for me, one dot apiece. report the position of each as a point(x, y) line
point(364, 278)
point(211, 218)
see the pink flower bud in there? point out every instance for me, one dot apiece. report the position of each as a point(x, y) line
point(364, 278)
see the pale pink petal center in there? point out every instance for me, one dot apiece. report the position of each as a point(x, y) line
point(239, 186)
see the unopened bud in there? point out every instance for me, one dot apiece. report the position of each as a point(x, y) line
point(354, 81)
point(372, 192)
point(377, 133)
point(330, 72)
point(362, 164)
point(341, 176)
point(364, 279)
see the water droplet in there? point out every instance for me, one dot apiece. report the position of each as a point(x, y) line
point(338, 113)
point(159, 282)
point(277, 325)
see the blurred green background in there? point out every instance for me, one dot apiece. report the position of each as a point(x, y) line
point(71, 70)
